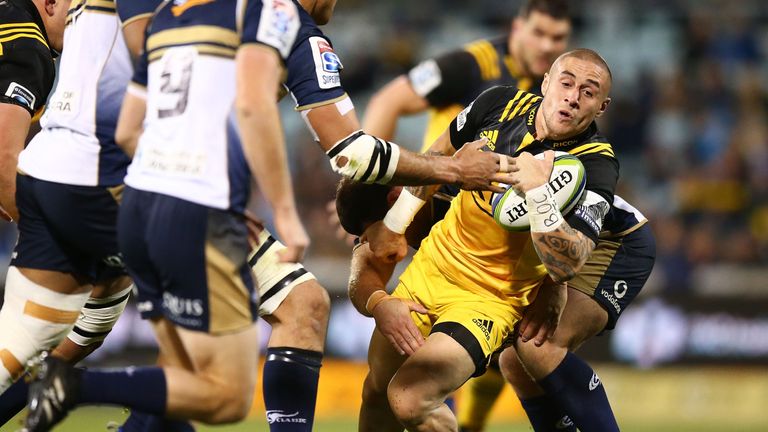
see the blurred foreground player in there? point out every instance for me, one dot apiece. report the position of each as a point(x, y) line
point(182, 228)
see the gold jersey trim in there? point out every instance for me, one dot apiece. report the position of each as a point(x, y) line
point(193, 35)
point(487, 59)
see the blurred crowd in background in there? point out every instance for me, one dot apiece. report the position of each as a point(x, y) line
point(688, 121)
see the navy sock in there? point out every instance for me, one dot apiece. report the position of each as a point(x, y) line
point(13, 400)
point(143, 422)
point(578, 390)
point(290, 388)
point(142, 389)
point(546, 415)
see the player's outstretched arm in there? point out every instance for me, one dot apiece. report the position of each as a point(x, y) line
point(562, 249)
point(259, 71)
point(356, 154)
point(394, 100)
point(14, 122)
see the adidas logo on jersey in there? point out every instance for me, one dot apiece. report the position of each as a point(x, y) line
point(485, 325)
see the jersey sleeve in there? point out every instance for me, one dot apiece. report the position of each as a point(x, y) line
point(466, 124)
point(274, 23)
point(446, 79)
point(589, 214)
point(23, 66)
point(140, 69)
point(314, 74)
point(132, 10)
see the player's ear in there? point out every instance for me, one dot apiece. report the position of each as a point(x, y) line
point(603, 107)
point(545, 84)
point(50, 7)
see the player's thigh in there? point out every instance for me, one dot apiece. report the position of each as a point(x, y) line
point(435, 370)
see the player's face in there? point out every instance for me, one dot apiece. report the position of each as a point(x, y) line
point(540, 39)
point(575, 93)
point(320, 10)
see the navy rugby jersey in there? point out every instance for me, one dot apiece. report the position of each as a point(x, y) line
point(313, 67)
point(191, 148)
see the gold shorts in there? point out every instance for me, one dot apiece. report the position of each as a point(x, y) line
point(479, 322)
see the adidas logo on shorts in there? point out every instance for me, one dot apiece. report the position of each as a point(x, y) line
point(485, 325)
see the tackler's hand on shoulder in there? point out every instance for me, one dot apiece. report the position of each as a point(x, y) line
point(482, 170)
point(387, 246)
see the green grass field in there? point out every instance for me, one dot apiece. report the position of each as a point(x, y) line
point(96, 419)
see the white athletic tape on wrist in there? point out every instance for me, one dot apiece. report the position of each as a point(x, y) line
point(98, 317)
point(402, 213)
point(33, 319)
point(365, 158)
point(543, 213)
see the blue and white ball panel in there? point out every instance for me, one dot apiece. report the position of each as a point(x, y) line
point(274, 279)
point(566, 183)
point(313, 74)
point(188, 261)
point(617, 270)
point(271, 22)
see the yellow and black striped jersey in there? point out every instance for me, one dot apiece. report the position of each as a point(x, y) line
point(451, 81)
point(468, 245)
point(26, 60)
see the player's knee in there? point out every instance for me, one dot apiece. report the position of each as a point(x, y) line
point(409, 408)
point(511, 368)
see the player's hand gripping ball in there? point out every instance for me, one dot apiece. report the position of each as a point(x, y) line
point(566, 183)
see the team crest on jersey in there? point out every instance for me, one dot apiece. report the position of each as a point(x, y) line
point(327, 63)
point(21, 94)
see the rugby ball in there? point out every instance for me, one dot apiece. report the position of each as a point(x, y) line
point(566, 183)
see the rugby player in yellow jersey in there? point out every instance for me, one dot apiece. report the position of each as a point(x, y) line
point(473, 277)
point(443, 86)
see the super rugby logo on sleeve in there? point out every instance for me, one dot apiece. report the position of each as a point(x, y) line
point(327, 63)
point(20, 94)
point(278, 26)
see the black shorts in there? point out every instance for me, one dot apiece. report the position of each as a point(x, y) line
point(188, 261)
point(617, 271)
point(67, 228)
